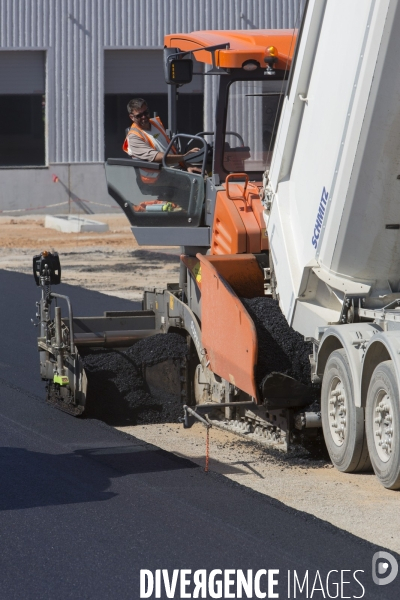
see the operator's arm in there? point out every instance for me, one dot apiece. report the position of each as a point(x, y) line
point(139, 149)
point(174, 159)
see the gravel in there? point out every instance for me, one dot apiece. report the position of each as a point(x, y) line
point(116, 387)
point(281, 349)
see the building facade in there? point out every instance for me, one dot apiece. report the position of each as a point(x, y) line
point(67, 69)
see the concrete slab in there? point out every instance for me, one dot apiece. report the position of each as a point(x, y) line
point(73, 224)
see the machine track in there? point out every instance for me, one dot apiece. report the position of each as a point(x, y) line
point(250, 430)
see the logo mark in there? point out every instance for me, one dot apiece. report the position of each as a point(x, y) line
point(320, 218)
point(381, 561)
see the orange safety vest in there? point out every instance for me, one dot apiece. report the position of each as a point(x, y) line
point(147, 175)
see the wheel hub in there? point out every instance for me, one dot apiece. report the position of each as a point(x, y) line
point(383, 425)
point(337, 412)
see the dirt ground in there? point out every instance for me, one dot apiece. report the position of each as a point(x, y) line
point(109, 262)
point(112, 263)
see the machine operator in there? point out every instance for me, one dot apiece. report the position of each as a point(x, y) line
point(147, 139)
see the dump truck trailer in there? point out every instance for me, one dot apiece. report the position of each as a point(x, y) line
point(289, 278)
point(333, 223)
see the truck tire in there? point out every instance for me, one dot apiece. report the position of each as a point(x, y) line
point(342, 421)
point(382, 422)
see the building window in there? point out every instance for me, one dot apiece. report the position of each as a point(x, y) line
point(22, 140)
point(22, 108)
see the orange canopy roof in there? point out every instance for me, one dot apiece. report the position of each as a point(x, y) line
point(244, 45)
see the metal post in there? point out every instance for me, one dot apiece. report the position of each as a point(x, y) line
point(172, 108)
point(70, 317)
point(194, 414)
point(57, 325)
point(229, 399)
point(183, 276)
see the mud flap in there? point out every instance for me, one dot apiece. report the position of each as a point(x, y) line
point(281, 391)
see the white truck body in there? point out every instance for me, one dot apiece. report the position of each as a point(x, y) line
point(332, 198)
point(336, 162)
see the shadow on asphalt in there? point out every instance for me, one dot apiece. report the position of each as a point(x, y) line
point(33, 479)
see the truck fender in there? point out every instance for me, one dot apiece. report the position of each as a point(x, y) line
point(385, 345)
point(353, 338)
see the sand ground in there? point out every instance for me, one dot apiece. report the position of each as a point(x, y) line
point(109, 262)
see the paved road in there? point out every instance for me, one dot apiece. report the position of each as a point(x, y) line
point(85, 507)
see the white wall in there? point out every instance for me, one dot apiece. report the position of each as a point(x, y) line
point(81, 188)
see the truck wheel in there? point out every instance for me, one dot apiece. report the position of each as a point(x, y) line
point(342, 421)
point(382, 424)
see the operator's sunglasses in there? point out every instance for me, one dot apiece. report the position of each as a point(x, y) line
point(145, 113)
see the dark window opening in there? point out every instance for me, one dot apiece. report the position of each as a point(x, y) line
point(22, 131)
point(116, 119)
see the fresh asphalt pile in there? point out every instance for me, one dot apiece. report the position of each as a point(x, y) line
point(281, 349)
point(116, 386)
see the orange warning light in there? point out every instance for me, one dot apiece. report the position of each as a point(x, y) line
point(272, 51)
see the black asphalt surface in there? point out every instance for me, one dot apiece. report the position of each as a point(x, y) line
point(85, 507)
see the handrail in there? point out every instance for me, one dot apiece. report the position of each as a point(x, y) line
point(204, 133)
point(235, 134)
point(229, 179)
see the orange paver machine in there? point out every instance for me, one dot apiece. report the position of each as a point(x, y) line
point(215, 216)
